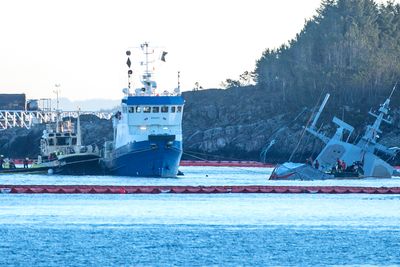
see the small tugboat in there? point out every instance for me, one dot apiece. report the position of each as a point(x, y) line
point(148, 129)
point(341, 159)
point(62, 152)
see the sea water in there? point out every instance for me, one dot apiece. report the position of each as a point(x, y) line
point(192, 176)
point(197, 229)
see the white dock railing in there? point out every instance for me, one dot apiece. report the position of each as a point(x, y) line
point(26, 119)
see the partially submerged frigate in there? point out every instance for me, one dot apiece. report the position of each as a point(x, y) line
point(342, 159)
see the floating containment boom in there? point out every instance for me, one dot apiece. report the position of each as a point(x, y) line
point(105, 189)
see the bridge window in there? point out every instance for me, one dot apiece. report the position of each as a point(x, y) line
point(173, 108)
point(146, 109)
point(179, 109)
point(51, 142)
point(156, 109)
point(138, 109)
point(62, 141)
point(131, 110)
point(164, 109)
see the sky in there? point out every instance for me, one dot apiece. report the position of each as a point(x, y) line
point(80, 45)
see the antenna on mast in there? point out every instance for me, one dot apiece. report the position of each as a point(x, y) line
point(145, 48)
point(177, 90)
point(179, 82)
point(394, 88)
point(321, 108)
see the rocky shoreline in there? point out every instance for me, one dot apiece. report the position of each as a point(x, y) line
point(232, 124)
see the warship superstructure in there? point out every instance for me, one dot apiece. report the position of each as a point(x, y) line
point(360, 159)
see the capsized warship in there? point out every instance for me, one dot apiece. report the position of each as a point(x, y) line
point(361, 157)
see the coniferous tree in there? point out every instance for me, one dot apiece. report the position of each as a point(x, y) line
point(350, 48)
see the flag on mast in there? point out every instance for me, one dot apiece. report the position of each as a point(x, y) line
point(163, 54)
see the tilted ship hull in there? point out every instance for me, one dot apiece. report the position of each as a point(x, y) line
point(297, 171)
point(341, 159)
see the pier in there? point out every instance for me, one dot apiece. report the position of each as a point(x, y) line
point(26, 119)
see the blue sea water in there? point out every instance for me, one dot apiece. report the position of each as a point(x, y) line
point(193, 176)
point(197, 230)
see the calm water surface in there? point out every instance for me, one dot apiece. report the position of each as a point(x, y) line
point(198, 230)
point(193, 176)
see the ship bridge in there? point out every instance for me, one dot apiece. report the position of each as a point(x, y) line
point(26, 118)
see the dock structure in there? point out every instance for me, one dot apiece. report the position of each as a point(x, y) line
point(26, 118)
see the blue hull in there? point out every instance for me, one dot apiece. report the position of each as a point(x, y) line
point(156, 158)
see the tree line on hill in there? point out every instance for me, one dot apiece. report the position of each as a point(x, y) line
point(350, 48)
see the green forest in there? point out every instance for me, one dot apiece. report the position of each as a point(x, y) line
point(350, 48)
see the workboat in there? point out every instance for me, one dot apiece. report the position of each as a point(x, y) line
point(9, 167)
point(148, 127)
point(341, 159)
point(62, 152)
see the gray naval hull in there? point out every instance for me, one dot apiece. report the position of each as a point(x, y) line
point(351, 160)
point(373, 166)
point(298, 171)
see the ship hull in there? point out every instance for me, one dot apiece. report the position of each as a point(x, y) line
point(79, 164)
point(30, 170)
point(298, 171)
point(155, 158)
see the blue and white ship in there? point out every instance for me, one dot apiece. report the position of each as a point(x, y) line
point(147, 129)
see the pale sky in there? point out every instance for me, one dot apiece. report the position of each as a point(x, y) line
point(81, 44)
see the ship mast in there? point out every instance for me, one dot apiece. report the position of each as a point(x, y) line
point(78, 130)
point(369, 140)
point(147, 73)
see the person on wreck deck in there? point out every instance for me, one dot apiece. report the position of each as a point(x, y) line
point(316, 164)
point(11, 164)
point(26, 162)
point(339, 165)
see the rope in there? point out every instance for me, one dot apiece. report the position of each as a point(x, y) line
point(304, 129)
point(79, 161)
point(215, 156)
point(239, 168)
point(263, 153)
